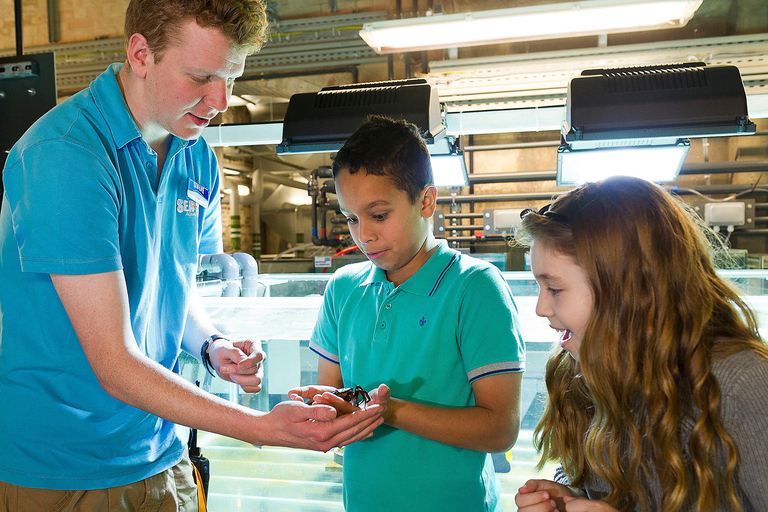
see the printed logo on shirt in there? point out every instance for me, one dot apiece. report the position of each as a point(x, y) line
point(186, 206)
point(422, 322)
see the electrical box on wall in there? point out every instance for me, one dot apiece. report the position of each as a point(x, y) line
point(501, 221)
point(727, 213)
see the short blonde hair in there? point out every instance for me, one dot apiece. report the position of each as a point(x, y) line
point(244, 22)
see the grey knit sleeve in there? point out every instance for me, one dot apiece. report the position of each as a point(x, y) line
point(743, 382)
point(561, 478)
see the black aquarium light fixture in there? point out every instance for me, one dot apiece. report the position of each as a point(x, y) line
point(322, 121)
point(639, 121)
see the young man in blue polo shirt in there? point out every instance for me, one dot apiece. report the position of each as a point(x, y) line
point(438, 328)
point(109, 199)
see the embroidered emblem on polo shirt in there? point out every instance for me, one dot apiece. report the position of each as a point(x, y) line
point(422, 321)
point(186, 206)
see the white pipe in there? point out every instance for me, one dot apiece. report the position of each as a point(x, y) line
point(257, 193)
point(227, 267)
point(234, 202)
point(285, 181)
point(250, 274)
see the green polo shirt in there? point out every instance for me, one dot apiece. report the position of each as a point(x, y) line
point(451, 323)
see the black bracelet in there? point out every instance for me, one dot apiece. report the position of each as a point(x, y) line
point(205, 357)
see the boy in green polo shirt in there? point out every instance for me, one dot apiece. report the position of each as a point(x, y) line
point(438, 328)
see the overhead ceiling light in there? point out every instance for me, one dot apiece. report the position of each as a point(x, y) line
point(569, 19)
point(448, 166)
point(637, 121)
point(230, 172)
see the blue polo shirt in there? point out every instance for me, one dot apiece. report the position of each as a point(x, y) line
point(82, 197)
point(453, 322)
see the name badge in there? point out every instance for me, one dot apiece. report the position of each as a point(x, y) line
point(198, 193)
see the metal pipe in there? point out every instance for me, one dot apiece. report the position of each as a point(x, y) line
point(313, 193)
point(687, 169)
point(19, 27)
point(462, 238)
point(725, 167)
point(463, 215)
point(513, 177)
point(320, 205)
point(547, 195)
point(711, 189)
point(310, 72)
point(464, 227)
point(54, 21)
point(751, 232)
point(515, 145)
point(520, 196)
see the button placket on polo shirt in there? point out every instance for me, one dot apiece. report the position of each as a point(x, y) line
point(383, 318)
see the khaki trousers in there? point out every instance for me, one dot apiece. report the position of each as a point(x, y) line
point(173, 490)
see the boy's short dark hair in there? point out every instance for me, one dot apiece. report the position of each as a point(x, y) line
point(394, 148)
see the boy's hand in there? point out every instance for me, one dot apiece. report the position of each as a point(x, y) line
point(585, 505)
point(381, 396)
point(322, 395)
point(542, 496)
point(305, 393)
point(329, 398)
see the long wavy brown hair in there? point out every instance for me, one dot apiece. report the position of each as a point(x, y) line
point(661, 317)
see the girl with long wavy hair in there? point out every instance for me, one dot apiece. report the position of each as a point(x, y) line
point(658, 395)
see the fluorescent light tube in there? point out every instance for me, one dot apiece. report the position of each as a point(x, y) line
point(569, 19)
point(449, 170)
point(653, 163)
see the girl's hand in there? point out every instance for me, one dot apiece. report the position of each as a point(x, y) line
point(542, 496)
point(585, 505)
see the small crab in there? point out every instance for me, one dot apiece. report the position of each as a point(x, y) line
point(356, 396)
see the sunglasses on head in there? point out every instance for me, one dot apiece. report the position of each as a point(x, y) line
point(545, 210)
